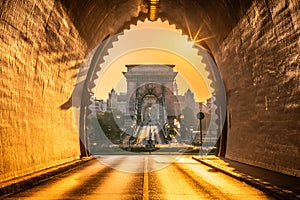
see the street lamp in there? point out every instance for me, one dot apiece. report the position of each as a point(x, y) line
point(109, 133)
point(200, 116)
point(191, 132)
point(118, 117)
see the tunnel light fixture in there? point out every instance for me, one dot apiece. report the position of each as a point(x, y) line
point(153, 9)
point(154, 1)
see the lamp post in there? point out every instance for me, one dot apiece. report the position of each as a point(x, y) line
point(109, 133)
point(119, 129)
point(200, 116)
point(191, 134)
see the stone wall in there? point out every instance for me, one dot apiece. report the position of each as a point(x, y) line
point(40, 50)
point(259, 61)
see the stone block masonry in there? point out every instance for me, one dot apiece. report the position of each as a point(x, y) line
point(259, 62)
point(39, 51)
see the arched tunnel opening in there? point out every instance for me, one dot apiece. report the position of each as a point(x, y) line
point(47, 48)
point(191, 81)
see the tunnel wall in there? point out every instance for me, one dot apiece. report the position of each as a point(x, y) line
point(42, 44)
point(40, 51)
point(259, 62)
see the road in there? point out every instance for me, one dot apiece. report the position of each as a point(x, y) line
point(142, 177)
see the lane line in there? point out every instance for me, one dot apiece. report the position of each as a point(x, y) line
point(145, 186)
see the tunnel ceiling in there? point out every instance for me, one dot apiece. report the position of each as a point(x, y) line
point(95, 20)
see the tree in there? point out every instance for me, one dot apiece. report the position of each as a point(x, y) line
point(109, 126)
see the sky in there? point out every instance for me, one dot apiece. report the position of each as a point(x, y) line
point(154, 43)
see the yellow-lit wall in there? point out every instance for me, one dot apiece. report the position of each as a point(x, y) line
point(40, 50)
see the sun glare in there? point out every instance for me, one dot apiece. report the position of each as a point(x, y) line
point(196, 39)
point(156, 42)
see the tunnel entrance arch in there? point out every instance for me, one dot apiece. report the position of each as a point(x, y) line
point(210, 72)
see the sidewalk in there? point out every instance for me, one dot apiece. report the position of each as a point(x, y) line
point(24, 182)
point(279, 185)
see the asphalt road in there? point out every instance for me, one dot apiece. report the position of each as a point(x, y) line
point(142, 177)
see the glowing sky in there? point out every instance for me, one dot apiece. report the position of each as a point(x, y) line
point(187, 77)
point(154, 43)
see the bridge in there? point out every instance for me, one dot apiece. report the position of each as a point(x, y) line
point(48, 70)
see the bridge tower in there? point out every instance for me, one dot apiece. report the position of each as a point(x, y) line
point(151, 99)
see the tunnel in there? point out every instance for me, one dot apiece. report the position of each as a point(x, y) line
point(254, 43)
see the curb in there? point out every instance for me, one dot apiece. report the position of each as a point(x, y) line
point(30, 180)
point(273, 190)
